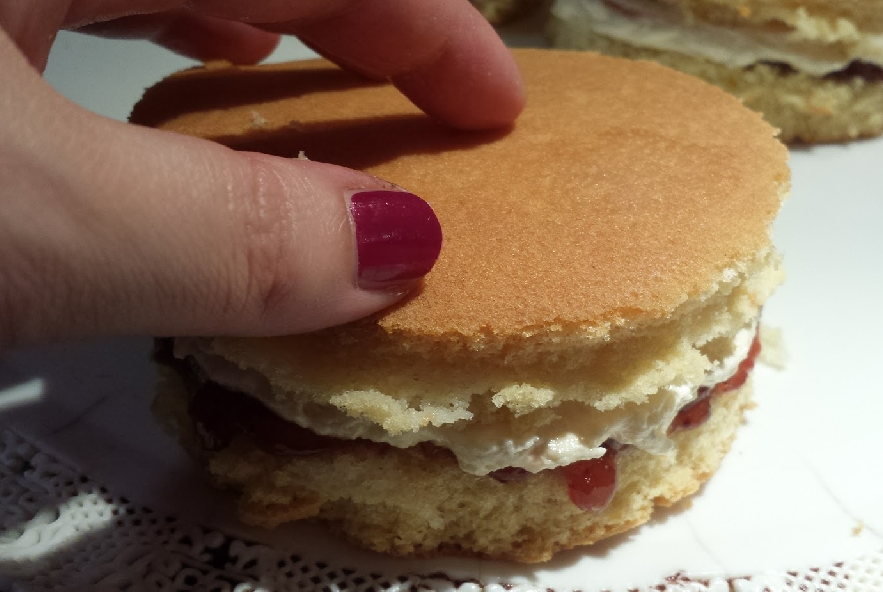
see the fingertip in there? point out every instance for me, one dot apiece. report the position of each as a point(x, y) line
point(474, 82)
point(468, 88)
point(350, 245)
point(258, 47)
point(454, 66)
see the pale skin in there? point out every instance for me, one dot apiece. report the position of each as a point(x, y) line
point(108, 228)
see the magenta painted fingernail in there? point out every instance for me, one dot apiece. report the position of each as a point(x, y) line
point(398, 238)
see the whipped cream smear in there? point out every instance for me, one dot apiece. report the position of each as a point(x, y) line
point(657, 25)
point(481, 449)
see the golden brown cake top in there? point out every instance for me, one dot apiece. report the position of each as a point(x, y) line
point(622, 191)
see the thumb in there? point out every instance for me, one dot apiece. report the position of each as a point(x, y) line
point(110, 228)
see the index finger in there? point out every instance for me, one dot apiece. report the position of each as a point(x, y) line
point(443, 55)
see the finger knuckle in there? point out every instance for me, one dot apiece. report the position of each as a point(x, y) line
point(270, 276)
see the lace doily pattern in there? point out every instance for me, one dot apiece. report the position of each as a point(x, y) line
point(59, 530)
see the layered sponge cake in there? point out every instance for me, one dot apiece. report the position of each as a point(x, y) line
point(580, 353)
point(814, 68)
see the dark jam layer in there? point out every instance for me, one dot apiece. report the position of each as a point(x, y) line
point(220, 414)
point(696, 413)
point(855, 69)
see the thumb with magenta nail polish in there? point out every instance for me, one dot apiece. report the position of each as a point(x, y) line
point(398, 238)
point(321, 245)
point(108, 228)
point(226, 243)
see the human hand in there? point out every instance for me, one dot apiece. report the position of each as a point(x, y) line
point(109, 228)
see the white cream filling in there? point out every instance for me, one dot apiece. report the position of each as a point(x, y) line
point(656, 25)
point(480, 449)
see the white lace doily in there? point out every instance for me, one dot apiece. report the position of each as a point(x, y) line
point(60, 530)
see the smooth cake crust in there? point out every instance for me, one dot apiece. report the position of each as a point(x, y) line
point(622, 191)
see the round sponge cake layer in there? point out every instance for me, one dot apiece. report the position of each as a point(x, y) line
point(591, 252)
point(622, 191)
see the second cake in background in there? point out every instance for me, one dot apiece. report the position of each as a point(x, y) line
point(813, 68)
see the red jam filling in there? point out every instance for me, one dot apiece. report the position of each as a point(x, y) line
point(741, 375)
point(591, 483)
point(693, 414)
point(696, 413)
point(220, 414)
